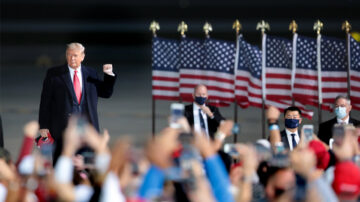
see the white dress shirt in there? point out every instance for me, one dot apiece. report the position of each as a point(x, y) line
point(79, 75)
point(346, 121)
point(197, 126)
point(289, 137)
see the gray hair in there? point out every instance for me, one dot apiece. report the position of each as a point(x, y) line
point(75, 45)
point(343, 97)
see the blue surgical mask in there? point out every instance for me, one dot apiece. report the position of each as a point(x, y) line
point(292, 123)
point(200, 100)
point(340, 112)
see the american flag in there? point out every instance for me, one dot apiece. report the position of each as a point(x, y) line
point(165, 69)
point(248, 75)
point(278, 68)
point(306, 80)
point(278, 79)
point(333, 69)
point(354, 58)
point(209, 62)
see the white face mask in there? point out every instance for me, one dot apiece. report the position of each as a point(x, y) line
point(340, 112)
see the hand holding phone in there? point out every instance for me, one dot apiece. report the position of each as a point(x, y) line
point(177, 111)
point(308, 131)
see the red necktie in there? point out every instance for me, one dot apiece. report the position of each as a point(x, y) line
point(77, 87)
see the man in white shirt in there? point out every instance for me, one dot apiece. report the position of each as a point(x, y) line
point(203, 118)
point(290, 137)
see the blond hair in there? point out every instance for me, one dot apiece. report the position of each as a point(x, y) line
point(75, 45)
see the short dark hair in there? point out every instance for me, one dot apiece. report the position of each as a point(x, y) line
point(292, 108)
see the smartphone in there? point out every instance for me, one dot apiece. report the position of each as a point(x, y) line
point(308, 131)
point(279, 147)
point(177, 111)
point(230, 149)
point(235, 129)
point(338, 134)
point(46, 151)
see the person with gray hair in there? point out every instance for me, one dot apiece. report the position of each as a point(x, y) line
point(72, 89)
point(342, 110)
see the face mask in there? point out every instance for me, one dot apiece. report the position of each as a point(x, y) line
point(200, 100)
point(340, 112)
point(291, 123)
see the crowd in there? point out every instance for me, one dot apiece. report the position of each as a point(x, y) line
point(187, 161)
point(182, 165)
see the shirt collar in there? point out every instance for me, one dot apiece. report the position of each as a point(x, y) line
point(196, 106)
point(72, 70)
point(289, 132)
point(342, 121)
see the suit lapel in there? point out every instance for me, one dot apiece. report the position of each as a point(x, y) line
point(67, 80)
point(285, 140)
point(85, 75)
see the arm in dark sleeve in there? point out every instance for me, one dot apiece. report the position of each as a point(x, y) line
point(105, 88)
point(44, 111)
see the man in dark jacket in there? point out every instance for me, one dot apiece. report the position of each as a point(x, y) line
point(342, 111)
point(72, 89)
point(202, 117)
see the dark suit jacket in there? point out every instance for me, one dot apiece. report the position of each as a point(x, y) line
point(213, 123)
point(58, 97)
point(325, 129)
point(285, 140)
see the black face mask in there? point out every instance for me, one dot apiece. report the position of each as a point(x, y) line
point(200, 100)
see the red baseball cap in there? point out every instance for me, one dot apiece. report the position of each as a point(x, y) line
point(322, 155)
point(346, 182)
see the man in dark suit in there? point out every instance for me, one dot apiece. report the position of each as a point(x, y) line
point(202, 117)
point(72, 89)
point(290, 136)
point(342, 111)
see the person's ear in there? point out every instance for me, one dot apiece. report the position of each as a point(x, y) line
point(350, 107)
point(300, 120)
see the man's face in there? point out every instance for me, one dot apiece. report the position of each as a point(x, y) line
point(201, 91)
point(74, 57)
point(343, 103)
point(293, 115)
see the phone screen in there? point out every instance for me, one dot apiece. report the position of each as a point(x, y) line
point(338, 134)
point(177, 111)
point(308, 132)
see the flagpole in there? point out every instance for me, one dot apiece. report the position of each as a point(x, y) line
point(154, 26)
point(263, 26)
point(317, 27)
point(347, 27)
point(293, 27)
point(237, 26)
point(182, 28)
